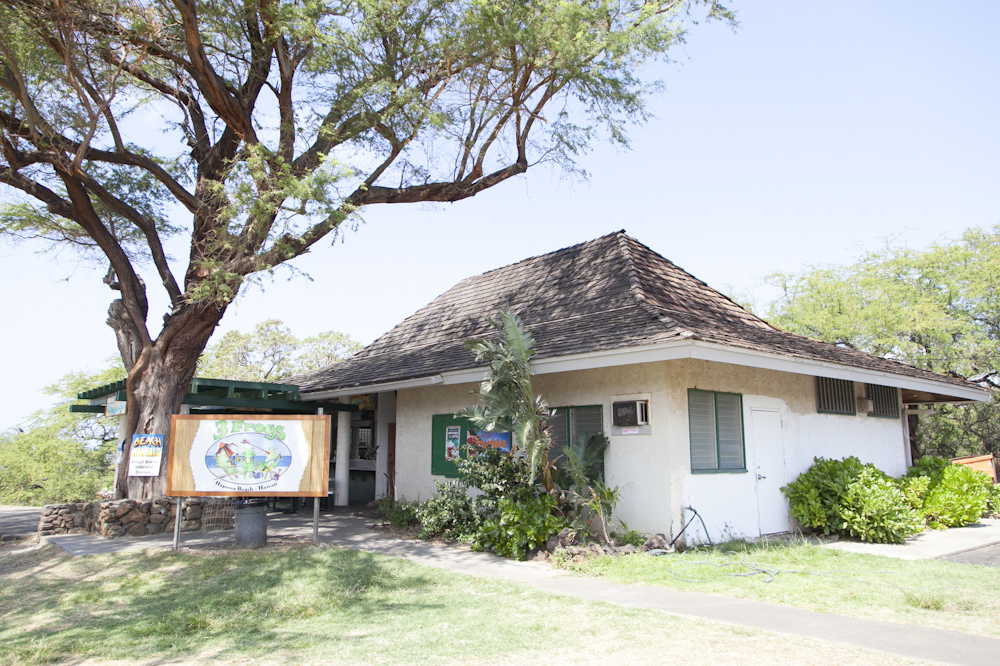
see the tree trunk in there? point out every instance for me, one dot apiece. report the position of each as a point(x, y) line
point(158, 381)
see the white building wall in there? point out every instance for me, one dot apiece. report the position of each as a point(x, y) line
point(653, 470)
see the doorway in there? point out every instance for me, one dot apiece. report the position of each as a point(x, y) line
point(769, 459)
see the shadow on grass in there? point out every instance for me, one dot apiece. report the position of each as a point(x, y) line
point(181, 604)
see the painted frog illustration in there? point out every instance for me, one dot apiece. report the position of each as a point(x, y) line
point(271, 462)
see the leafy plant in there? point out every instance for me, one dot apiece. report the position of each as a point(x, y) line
point(450, 513)
point(814, 496)
point(519, 527)
point(960, 498)
point(956, 495)
point(849, 498)
point(399, 513)
point(875, 509)
point(509, 404)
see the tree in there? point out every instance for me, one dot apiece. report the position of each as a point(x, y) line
point(271, 353)
point(283, 119)
point(936, 308)
point(58, 456)
point(509, 403)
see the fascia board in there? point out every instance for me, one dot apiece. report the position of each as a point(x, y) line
point(417, 382)
point(721, 354)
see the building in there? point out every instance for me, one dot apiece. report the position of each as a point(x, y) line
point(705, 404)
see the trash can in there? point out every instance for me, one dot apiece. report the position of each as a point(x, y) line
point(250, 517)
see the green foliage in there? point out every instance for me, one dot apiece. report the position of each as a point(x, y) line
point(577, 480)
point(496, 475)
point(874, 509)
point(401, 514)
point(271, 353)
point(40, 467)
point(509, 404)
point(961, 497)
point(628, 536)
point(814, 496)
point(58, 456)
point(849, 498)
point(449, 513)
point(936, 308)
point(519, 527)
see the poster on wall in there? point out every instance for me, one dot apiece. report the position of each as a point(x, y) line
point(262, 455)
point(452, 440)
point(479, 440)
point(145, 456)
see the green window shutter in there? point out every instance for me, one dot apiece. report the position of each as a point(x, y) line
point(701, 415)
point(729, 416)
point(440, 465)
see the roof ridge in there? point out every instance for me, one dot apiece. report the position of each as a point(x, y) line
point(704, 284)
point(635, 286)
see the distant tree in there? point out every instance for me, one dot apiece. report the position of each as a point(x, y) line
point(272, 352)
point(272, 122)
point(937, 308)
point(58, 456)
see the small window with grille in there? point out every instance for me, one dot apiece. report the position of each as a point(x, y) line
point(572, 425)
point(835, 396)
point(884, 401)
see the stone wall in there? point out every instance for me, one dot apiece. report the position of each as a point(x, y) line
point(121, 518)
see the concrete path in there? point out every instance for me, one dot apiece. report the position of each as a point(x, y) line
point(343, 529)
point(930, 544)
point(19, 521)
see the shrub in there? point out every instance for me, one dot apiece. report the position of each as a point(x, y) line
point(956, 495)
point(875, 509)
point(849, 498)
point(813, 498)
point(960, 498)
point(496, 474)
point(519, 527)
point(449, 513)
point(399, 514)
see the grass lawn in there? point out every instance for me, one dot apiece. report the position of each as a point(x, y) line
point(962, 597)
point(332, 606)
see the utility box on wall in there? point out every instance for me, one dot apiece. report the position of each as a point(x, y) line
point(630, 413)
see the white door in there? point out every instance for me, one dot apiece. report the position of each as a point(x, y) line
point(769, 459)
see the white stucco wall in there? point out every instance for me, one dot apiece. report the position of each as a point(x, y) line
point(653, 470)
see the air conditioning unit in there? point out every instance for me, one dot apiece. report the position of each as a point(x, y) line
point(630, 413)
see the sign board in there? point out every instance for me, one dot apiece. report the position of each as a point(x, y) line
point(264, 455)
point(145, 456)
point(114, 407)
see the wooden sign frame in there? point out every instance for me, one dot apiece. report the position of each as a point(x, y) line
point(184, 428)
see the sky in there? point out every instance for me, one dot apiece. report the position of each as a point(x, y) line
point(811, 133)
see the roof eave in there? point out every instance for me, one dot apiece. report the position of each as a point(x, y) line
point(682, 349)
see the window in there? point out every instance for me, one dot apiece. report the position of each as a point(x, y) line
point(835, 396)
point(716, 425)
point(885, 401)
point(569, 423)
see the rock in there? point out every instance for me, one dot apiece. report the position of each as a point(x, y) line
point(145, 506)
point(596, 549)
point(192, 512)
point(79, 520)
point(565, 539)
point(628, 550)
point(190, 525)
point(161, 502)
point(46, 532)
point(657, 541)
point(77, 530)
point(156, 519)
point(114, 530)
point(136, 529)
point(154, 528)
point(124, 508)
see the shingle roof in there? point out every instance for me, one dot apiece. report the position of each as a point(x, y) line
point(609, 293)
